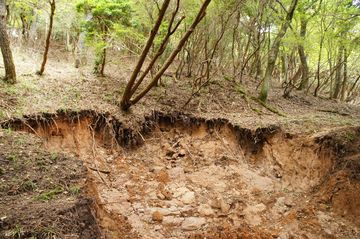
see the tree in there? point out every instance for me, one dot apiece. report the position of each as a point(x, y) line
point(274, 52)
point(10, 73)
point(47, 42)
point(304, 7)
point(104, 16)
point(131, 87)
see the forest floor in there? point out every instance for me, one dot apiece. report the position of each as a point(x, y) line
point(74, 166)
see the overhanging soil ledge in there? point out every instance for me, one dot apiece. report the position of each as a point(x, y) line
point(177, 176)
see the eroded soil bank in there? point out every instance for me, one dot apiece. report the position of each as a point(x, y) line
point(176, 176)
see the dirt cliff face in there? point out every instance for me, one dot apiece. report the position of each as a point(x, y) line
point(178, 176)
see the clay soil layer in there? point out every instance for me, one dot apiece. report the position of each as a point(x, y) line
point(177, 176)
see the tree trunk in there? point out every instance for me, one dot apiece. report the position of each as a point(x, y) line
point(345, 80)
point(24, 26)
point(285, 68)
point(47, 43)
point(101, 58)
point(125, 101)
point(317, 88)
point(338, 75)
point(274, 50)
point(201, 14)
point(80, 58)
point(303, 58)
point(10, 73)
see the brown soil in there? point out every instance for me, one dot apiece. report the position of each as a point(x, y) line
point(178, 176)
point(42, 192)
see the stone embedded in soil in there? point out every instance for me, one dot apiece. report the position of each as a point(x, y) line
point(205, 210)
point(170, 152)
point(193, 223)
point(160, 196)
point(180, 191)
point(252, 214)
point(225, 207)
point(157, 216)
point(188, 198)
point(215, 203)
point(172, 221)
point(182, 153)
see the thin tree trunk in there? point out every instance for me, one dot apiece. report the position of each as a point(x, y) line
point(303, 58)
point(125, 101)
point(24, 26)
point(318, 67)
point(352, 88)
point(274, 52)
point(345, 80)
point(47, 42)
point(285, 69)
point(102, 69)
point(338, 75)
point(201, 14)
point(10, 73)
point(162, 48)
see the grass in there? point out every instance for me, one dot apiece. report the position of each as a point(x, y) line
point(54, 157)
point(49, 195)
point(17, 231)
point(75, 190)
point(2, 114)
point(349, 136)
point(28, 186)
point(12, 158)
point(47, 232)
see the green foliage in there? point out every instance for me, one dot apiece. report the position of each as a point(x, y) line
point(103, 18)
point(103, 15)
point(46, 196)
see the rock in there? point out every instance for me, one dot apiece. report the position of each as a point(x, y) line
point(188, 198)
point(160, 196)
point(180, 191)
point(182, 153)
point(252, 214)
point(163, 193)
point(167, 194)
point(177, 174)
point(165, 211)
point(205, 210)
point(172, 221)
point(157, 216)
point(225, 207)
point(215, 203)
point(259, 207)
point(193, 223)
point(170, 152)
point(288, 202)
